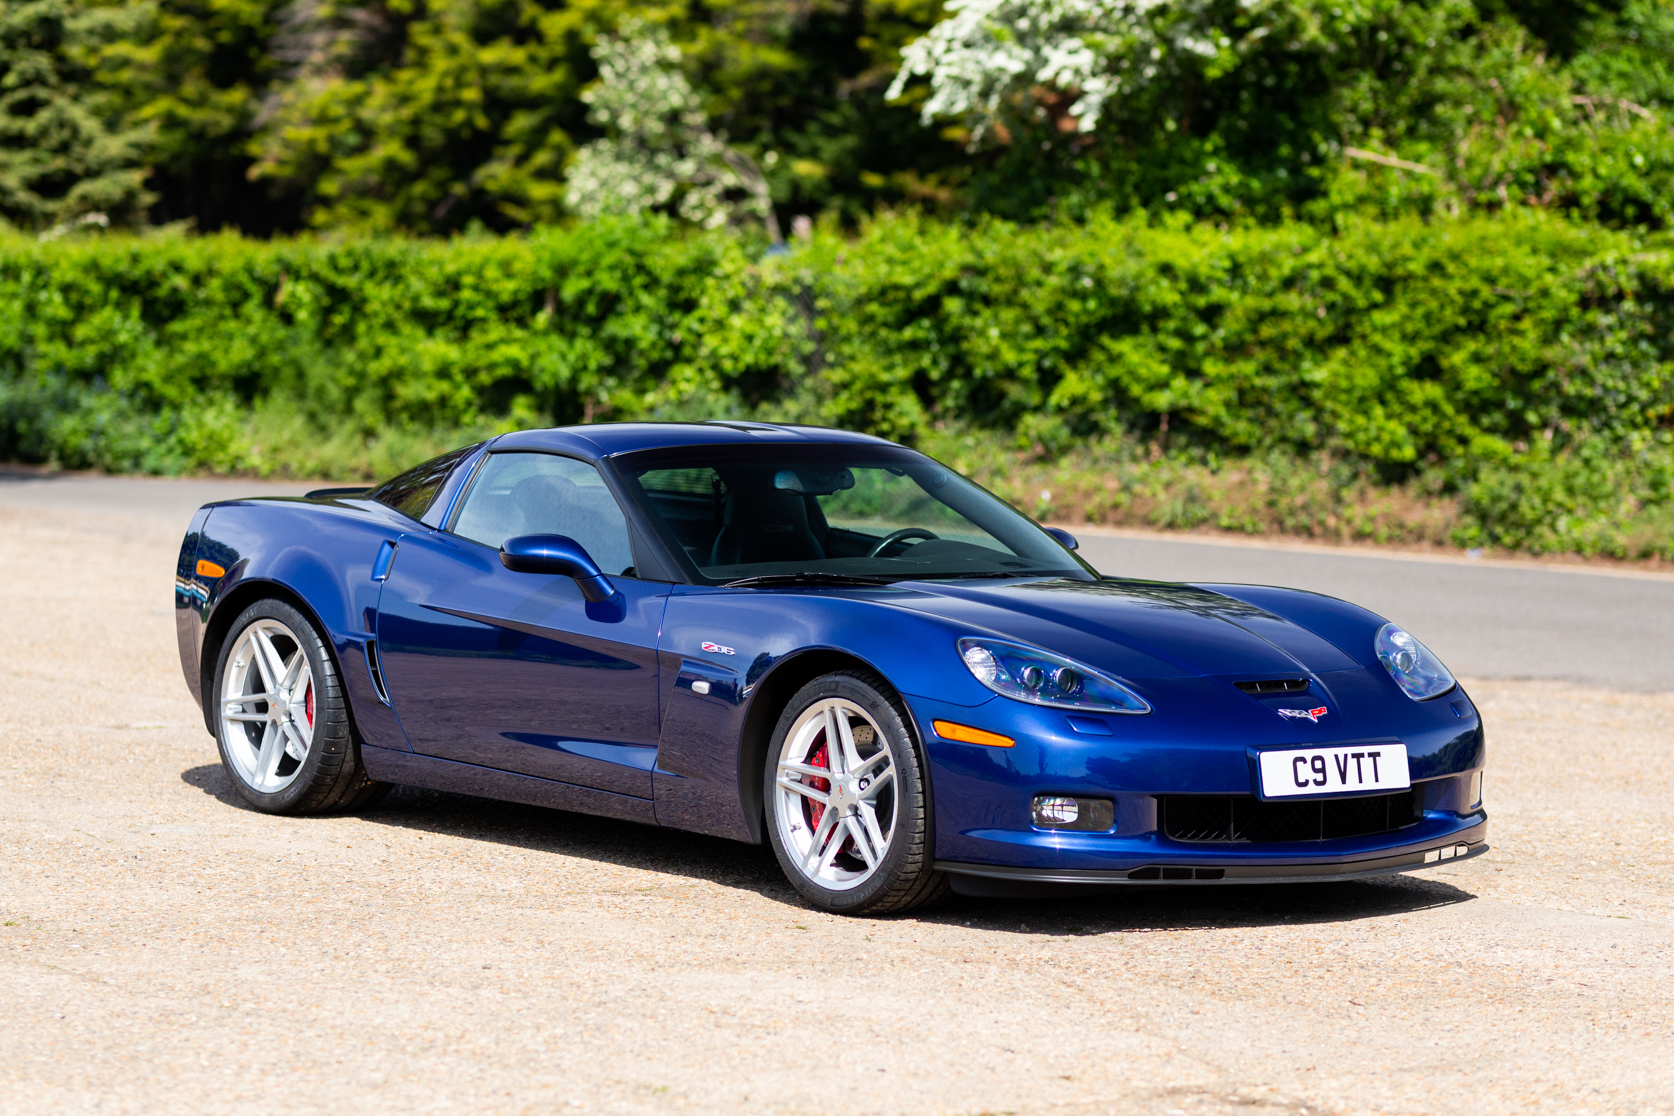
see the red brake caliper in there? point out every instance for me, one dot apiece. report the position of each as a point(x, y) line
point(821, 758)
point(815, 810)
point(308, 700)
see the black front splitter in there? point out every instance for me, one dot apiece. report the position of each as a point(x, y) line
point(997, 880)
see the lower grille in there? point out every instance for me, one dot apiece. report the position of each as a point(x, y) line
point(1245, 818)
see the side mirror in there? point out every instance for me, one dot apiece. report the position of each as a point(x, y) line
point(557, 554)
point(1064, 537)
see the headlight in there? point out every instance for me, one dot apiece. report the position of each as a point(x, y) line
point(1041, 678)
point(1414, 666)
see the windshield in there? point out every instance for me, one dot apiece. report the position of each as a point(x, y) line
point(851, 511)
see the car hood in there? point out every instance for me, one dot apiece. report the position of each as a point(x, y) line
point(1137, 629)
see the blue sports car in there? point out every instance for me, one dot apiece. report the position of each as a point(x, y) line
point(822, 640)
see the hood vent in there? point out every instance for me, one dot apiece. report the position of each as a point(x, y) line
point(1274, 686)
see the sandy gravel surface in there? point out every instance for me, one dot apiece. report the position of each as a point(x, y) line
point(166, 950)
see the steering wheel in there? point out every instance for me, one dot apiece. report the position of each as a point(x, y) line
point(896, 536)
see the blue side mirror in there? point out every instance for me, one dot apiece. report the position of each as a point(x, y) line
point(557, 554)
point(1064, 537)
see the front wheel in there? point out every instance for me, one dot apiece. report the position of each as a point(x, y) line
point(848, 815)
point(282, 720)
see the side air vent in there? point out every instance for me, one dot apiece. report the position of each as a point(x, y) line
point(376, 672)
point(1274, 686)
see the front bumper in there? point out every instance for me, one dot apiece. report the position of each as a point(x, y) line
point(982, 795)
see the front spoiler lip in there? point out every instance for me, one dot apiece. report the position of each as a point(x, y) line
point(1302, 871)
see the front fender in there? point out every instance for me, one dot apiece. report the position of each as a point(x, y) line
point(744, 644)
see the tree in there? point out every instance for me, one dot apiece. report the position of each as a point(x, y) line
point(658, 151)
point(66, 152)
point(199, 73)
point(429, 117)
point(1262, 108)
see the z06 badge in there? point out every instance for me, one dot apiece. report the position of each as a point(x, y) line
point(718, 649)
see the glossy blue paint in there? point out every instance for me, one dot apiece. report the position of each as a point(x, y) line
point(653, 701)
point(519, 671)
point(317, 552)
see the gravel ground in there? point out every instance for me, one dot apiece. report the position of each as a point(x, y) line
point(166, 949)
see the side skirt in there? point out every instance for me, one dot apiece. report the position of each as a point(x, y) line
point(409, 769)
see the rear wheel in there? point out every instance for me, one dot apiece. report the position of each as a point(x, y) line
point(848, 815)
point(282, 720)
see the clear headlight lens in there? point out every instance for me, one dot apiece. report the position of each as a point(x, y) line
point(1042, 678)
point(1414, 666)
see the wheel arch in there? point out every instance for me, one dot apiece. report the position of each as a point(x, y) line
point(768, 701)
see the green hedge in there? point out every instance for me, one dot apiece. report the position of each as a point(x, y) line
point(1530, 360)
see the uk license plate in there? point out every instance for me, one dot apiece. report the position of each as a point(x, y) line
point(1358, 767)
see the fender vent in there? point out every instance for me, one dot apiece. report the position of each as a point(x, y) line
point(376, 672)
point(1274, 686)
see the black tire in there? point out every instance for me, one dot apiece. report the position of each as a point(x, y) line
point(904, 878)
point(330, 778)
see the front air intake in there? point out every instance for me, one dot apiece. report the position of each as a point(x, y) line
point(1241, 818)
point(1274, 686)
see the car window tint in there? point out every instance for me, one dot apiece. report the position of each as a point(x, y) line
point(903, 516)
point(411, 493)
point(885, 500)
point(540, 494)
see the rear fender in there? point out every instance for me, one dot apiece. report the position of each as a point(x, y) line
point(319, 558)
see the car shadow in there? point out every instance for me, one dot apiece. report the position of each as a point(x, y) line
point(1130, 910)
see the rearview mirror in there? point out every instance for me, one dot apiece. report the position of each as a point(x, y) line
point(813, 481)
point(561, 555)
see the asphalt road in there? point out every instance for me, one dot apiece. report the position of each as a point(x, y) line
point(1485, 619)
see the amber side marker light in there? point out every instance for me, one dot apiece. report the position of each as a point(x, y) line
point(207, 568)
point(965, 734)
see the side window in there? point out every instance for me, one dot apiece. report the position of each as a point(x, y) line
point(539, 494)
point(412, 492)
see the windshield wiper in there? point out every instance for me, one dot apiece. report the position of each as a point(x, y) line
point(976, 574)
point(767, 581)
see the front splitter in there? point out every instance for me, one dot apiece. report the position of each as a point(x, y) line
point(994, 879)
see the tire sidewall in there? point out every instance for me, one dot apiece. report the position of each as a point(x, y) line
point(324, 669)
point(911, 792)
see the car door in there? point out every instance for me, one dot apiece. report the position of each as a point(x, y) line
point(517, 671)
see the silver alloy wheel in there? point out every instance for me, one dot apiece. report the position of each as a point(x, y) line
point(267, 706)
point(835, 794)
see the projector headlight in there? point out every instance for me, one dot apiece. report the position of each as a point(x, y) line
point(1042, 678)
point(1414, 666)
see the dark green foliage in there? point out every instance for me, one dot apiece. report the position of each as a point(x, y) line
point(436, 116)
point(66, 150)
point(1283, 120)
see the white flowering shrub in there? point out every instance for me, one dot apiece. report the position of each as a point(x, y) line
point(658, 151)
point(986, 54)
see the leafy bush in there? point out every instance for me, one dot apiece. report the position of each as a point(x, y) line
point(1524, 363)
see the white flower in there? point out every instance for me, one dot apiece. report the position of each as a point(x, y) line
point(659, 150)
point(987, 51)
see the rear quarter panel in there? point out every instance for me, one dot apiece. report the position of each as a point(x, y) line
point(319, 553)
